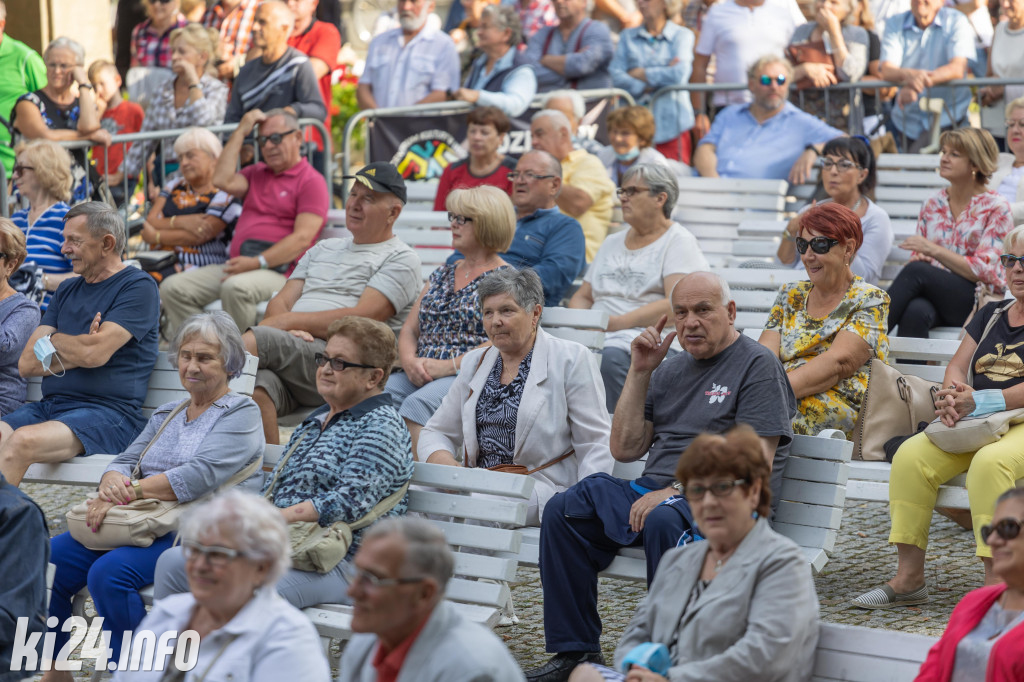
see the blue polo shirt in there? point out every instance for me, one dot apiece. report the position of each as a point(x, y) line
point(907, 46)
point(552, 244)
point(748, 149)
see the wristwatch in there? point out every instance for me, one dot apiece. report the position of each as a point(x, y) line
point(137, 489)
point(263, 262)
point(812, 148)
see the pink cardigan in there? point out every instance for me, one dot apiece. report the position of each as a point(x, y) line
point(1005, 663)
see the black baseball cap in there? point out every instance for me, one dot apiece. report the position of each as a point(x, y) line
point(381, 177)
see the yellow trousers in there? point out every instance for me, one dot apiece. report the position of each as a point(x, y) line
point(919, 468)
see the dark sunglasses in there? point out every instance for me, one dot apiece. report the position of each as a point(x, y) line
point(1007, 529)
point(337, 364)
point(767, 80)
point(820, 245)
point(163, 2)
point(274, 138)
point(1008, 261)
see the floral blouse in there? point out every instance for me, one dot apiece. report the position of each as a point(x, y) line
point(978, 236)
point(864, 311)
point(496, 413)
point(450, 323)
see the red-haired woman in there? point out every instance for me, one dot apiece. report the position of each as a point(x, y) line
point(485, 165)
point(826, 329)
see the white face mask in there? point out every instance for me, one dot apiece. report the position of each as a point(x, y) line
point(45, 352)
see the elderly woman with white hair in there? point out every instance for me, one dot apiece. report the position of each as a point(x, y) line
point(1008, 180)
point(191, 216)
point(58, 111)
point(189, 449)
point(236, 549)
point(530, 403)
point(635, 270)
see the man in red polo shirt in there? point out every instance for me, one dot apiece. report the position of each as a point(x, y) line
point(319, 41)
point(284, 205)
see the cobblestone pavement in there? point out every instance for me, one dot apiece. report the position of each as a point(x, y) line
point(861, 560)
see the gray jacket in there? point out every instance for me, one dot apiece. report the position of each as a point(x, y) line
point(449, 648)
point(757, 620)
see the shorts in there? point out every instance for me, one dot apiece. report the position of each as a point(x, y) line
point(102, 430)
point(286, 369)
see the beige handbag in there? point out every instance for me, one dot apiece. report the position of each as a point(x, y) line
point(319, 549)
point(140, 522)
point(894, 404)
point(970, 434)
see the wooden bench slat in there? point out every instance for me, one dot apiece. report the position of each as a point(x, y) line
point(797, 513)
point(593, 340)
point(807, 536)
point(816, 470)
point(464, 479)
point(441, 504)
point(481, 537)
point(812, 493)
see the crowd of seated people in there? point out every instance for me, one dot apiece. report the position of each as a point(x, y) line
point(477, 380)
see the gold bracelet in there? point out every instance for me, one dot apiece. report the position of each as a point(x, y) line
point(172, 220)
point(137, 487)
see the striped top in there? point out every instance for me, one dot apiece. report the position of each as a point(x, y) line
point(43, 240)
point(181, 199)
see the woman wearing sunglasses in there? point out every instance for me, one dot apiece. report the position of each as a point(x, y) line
point(444, 323)
point(826, 329)
point(996, 360)
point(955, 253)
point(985, 634)
point(739, 606)
point(346, 457)
point(848, 176)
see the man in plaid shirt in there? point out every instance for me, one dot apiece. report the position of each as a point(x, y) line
point(234, 19)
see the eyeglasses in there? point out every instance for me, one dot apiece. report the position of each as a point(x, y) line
point(60, 67)
point(458, 219)
point(1014, 123)
point(842, 164)
point(820, 245)
point(215, 556)
point(19, 169)
point(765, 79)
point(1007, 529)
point(354, 576)
point(695, 491)
point(274, 138)
point(337, 364)
point(1008, 260)
point(630, 192)
point(527, 176)
point(163, 2)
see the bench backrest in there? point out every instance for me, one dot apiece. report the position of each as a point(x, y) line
point(165, 384)
point(849, 653)
point(712, 208)
point(582, 326)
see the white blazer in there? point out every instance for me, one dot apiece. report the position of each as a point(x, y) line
point(1016, 204)
point(562, 407)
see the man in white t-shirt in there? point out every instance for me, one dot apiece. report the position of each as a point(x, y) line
point(635, 270)
point(737, 33)
point(372, 274)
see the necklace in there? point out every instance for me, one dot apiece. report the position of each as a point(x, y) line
point(860, 200)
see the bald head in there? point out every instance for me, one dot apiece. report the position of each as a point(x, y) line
point(704, 314)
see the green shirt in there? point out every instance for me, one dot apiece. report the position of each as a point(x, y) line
point(21, 70)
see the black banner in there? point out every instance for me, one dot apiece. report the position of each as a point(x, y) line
point(421, 147)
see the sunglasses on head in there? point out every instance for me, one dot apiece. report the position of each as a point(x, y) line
point(820, 245)
point(1009, 260)
point(1007, 529)
point(767, 80)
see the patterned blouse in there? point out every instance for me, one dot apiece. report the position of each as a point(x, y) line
point(864, 311)
point(57, 117)
point(496, 413)
point(181, 199)
point(978, 236)
point(450, 323)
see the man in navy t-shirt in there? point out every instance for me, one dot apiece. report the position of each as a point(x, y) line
point(95, 349)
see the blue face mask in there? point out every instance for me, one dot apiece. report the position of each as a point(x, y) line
point(45, 352)
point(628, 156)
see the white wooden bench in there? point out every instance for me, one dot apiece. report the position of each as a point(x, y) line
point(809, 513)
point(848, 653)
point(574, 324)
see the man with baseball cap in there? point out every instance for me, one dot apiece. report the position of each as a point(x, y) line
point(371, 274)
point(284, 205)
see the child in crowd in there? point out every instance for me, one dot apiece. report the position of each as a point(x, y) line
point(117, 116)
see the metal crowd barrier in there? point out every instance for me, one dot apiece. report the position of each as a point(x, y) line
point(165, 138)
point(834, 90)
point(446, 109)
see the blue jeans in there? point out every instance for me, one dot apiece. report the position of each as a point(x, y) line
point(114, 578)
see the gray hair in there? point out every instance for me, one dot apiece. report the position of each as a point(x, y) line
point(523, 286)
point(426, 549)
point(554, 165)
point(213, 327)
point(659, 179)
point(288, 116)
point(198, 138)
point(558, 119)
point(723, 285)
point(101, 219)
point(767, 59)
point(252, 524)
point(579, 106)
point(1014, 238)
point(1014, 493)
point(1014, 104)
point(65, 43)
point(505, 18)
